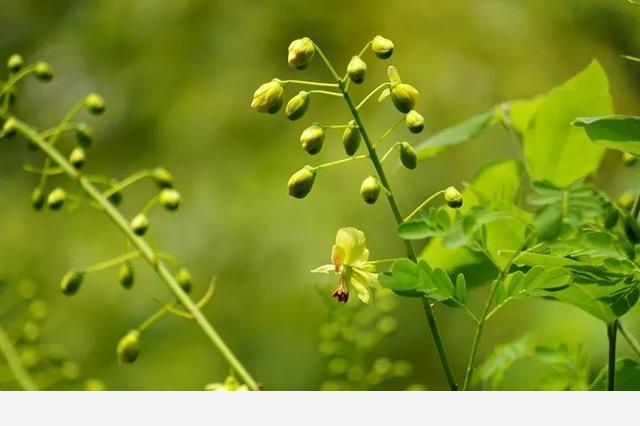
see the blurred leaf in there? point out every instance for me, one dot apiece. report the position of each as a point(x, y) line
point(520, 112)
point(434, 222)
point(631, 58)
point(490, 373)
point(616, 132)
point(530, 283)
point(556, 151)
point(627, 377)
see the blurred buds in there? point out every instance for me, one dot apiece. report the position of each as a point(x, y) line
point(382, 47)
point(297, 106)
point(128, 347)
point(125, 275)
point(162, 177)
point(183, 277)
point(37, 199)
point(95, 104)
point(9, 127)
point(357, 69)
point(140, 224)
point(453, 198)
point(71, 282)
point(301, 182)
point(169, 199)
point(312, 139)
point(414, 121)
point(351, 138)
point(370, 189)
point(56, 199)
point(15, 63)
point(77, 157)
point(629, 159)
point(268, 98)
point(408, 156)
point(84, 135)
point(404, 97)
point(301, 52)
point(43, 71)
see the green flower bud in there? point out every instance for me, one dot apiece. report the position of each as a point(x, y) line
point(351, 138)
point(357, 69)
point(301, 52)
point(312, 139)
point(15, 62)
point(71, 282)
point(84, 135)
point(394, 75)
point(301, 182)
point(453, 198)
point(95, 104)
point(77, 157)
point(297, 106)
point(140, 224)
point(162, 177)
point(95, 385)
point(626, 200)
point(408, 156)
point(382, 47)
point(10, 127)
point(370, 189)
point(268, 98)
point(43, 71)
point(183, 277)
point(125, 275)
point(56, 199)
point(129, 347)
point(404, 97)
point(37, 310)
point(30, 331)
point(414, 121)
point(629, 159)
point(37, 199)
point(170, 199)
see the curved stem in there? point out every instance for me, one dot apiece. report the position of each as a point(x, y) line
point(631, 340)
point(344, 160)
point(112, 262)
point(388, 132)
point(326, 92)
point(612, 330)
point(373, 92)
point(424, 203)
point(15, 78)
point(127, 182)
point(13, 360)
point(311, 83)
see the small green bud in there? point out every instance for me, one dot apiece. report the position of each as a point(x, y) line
point(84, 135)
point(140, 224)
point(128, 347)
point(77, 157)
point(312, 139)
point(125, 275)
point(625, 201)
point(95, 104)
point(162, 177)
point(370, 189)
point(10, 127)
point(351, 138)
point(116, 197)
point(43, 71)
point(71, 282)
point(382, 47)
point(297, 106)
point(183, 277)
point(629, 159)
point(357, 69)
point(404, 97)
point(30, 331)
point(453, 198)
point(170, 199)
point(268, 98)
point(95, 385)
point(301, 182)
point(301, 52)
point(15, 62)
point(414, 121)
point(56, 199)
point(37, 199)
point(408, 156)
point(37, 310)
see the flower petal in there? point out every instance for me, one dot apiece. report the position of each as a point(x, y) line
point(364, 293)
point(366, 278)
point(324, 269)
point(352, 243)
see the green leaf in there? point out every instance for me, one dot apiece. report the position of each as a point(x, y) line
point(556, 151)
point(433, 223)
point(490, 373)
point(616, 132)
point(627, 377)
point(521, 112)
point(530, 283)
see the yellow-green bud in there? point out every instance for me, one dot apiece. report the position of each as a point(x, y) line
point(370, 189)
point(77, 157)
point(625, 201)
point(140, 224)
point(71, 282)
point(404, 97)
point(297, 106)
point(56, 199)
point(301, 182)
point(95, 104)
point(312, 139)
point(382, 47)
point(301, 52)
point(170, 199)
point(183, 277)
point(629, 159)
point(408, 156)
point(30, 331)
point(453, 198)
point(357, 69)
point(14, 63)
point(162, 177)
point(9, 127)
point(125, 275)
point(38, 310)
point(37, 199)
point(95, 385)
point(129, 347)
point(268, 98)
point(414, 121)
point(84, 135)
point(351, 138)
point(43, 71)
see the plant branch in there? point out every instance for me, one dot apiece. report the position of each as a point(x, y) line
point(15, 365)
point(612, 330)
point(631, 340)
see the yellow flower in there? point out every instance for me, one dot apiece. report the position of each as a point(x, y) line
point(230, 384)
point(350, 261)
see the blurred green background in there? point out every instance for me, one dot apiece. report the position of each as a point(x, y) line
point(178, 77)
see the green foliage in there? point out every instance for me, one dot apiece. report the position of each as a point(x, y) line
point(616, 132)
point(627, 377)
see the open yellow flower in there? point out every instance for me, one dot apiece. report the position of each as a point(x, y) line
point(350, 260)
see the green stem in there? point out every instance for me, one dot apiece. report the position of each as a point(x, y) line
point(326, 92)
point(311, 83)
point(344, 160)
point(373, 92)
point(127, 182)
point(111, 262)
point(158, 266)
point(612, 331)
point(424, 203)
point(631, 340)
point(154, 317)
point(13, 360)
